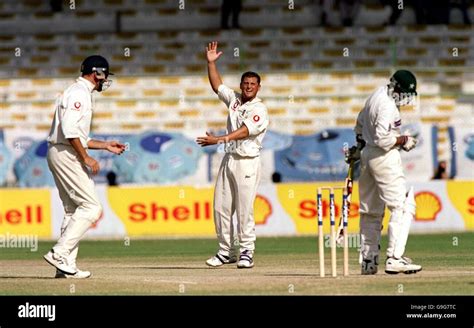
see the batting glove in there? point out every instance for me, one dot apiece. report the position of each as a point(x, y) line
point(352, 154)
point(409, 144)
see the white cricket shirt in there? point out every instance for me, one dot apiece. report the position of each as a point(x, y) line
point(73, 115)
point(379, 121)
point(253, 114)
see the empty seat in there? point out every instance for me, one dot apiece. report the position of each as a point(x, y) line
point(145, 114)
point(27, 72)
point(153, 69)
point(319, 110)
point(189, 113)
point(103, 116)
point(277, 112)
point(152, 92)
point(129, 104)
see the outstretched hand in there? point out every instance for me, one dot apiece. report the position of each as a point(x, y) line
point(115, 147)
point(208, 140)
point(211, 52)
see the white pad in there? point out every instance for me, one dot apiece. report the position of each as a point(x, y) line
point(370, 231)
point(399, 226)
point(410, 204)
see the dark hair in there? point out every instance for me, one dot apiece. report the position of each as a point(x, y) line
point(250, 74)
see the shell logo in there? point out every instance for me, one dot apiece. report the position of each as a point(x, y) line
point(262, 209)
point(428, 206)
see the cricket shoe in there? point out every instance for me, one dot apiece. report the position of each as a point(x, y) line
point(370, 266)
point(245, 260)
point(218, 260)
point(402, 265)
point(78, 275)
point(59, 262)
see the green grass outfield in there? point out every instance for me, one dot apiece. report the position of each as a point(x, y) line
point(283, 266)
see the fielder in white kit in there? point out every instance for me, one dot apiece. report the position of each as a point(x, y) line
point(69, 163)
point(239, 173)
point(382, 182)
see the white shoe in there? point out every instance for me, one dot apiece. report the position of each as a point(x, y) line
point(370, 266)
point(245, 260)
point(78, 275)
point(405, 265)
point(59, 262)
point(218, 260)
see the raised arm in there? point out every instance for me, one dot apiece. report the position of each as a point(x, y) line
point(212, 56)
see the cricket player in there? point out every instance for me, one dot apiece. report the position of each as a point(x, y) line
point(382, 182)
point(72, 167)
point(239, 173)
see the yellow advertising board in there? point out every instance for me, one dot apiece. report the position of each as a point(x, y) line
point(287, 208)
point(441, 206)
point(25, 211)
point(279, 209)
point(299, 201)
point(461, 194)
point(164, 210)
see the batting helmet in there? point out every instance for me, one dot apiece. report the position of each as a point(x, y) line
point(405, 81)
point(97, 64)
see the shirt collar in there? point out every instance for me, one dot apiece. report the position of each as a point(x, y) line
point(90, 86)
point(254, 100)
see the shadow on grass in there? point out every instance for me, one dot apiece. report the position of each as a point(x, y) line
point(26, 277)
point(170, 268)
point(292, 275)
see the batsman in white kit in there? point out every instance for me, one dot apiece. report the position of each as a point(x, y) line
point(72, 167)
point(239, 173)
point(382, 181)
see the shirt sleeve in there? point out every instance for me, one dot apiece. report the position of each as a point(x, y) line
point(74, 110)
point(359, 125)
point(257, 121)
point(384, 137)
point(226, 94)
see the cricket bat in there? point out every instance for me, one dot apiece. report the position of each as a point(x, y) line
point(348, 184)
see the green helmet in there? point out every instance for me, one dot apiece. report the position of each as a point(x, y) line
point(405, 81)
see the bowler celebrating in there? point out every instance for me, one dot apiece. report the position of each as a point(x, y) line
point(239, 173)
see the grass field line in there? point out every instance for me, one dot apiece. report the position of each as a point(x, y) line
point(171, 281)
point(283, 266)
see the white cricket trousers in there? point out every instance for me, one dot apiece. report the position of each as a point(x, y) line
point(235, 192)
point(381, 183)
point(76, 190)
